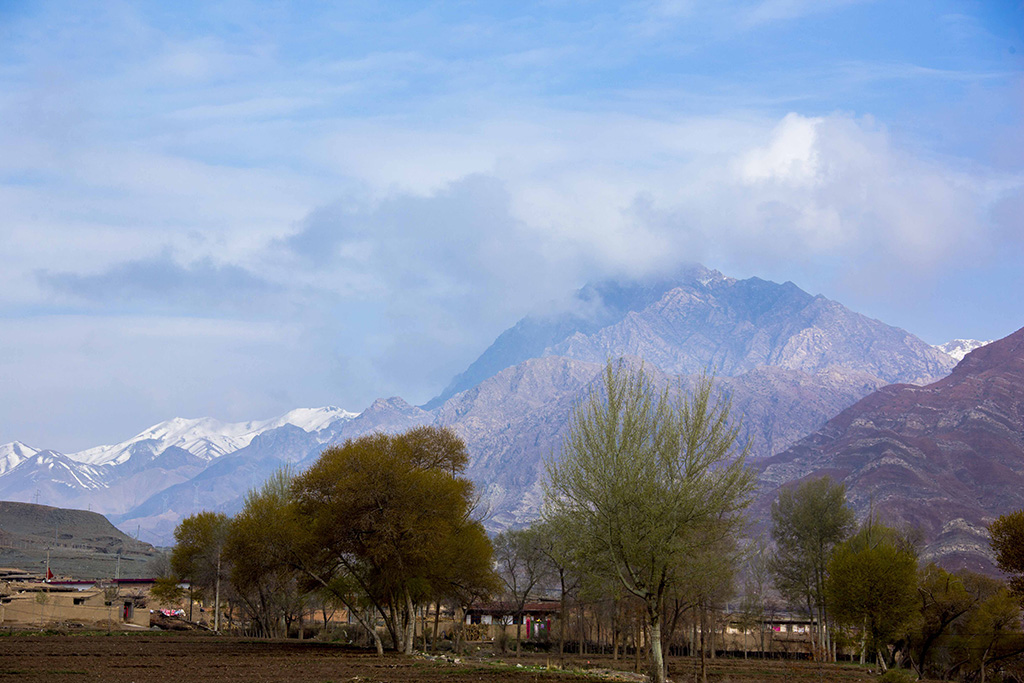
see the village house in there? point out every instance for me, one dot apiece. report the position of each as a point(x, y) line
point(87, 603)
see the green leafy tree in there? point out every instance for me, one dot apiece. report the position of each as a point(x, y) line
point(643, 481)
point(1007, 539)
point(872, 585)
point(260, 546)
point(808, 521)
point(708, 584)
point(944, 599)
point(990, 635)
point(198, 555)
point(167, 591)
point(390, 515)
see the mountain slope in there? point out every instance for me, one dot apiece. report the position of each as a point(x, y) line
point(947, 457)
point(43, 525)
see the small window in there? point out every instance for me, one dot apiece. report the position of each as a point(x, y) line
point(474, 618)
point(79, 601)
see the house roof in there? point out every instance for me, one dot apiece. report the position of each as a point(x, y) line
point(541, 607)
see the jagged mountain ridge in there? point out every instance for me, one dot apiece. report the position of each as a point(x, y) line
point(592, 308)
point(947, 457)
point(707, 321)
point(734, 326)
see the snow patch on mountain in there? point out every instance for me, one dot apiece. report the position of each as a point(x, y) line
point(958, 348)
point(206, 437)
point(13, 454)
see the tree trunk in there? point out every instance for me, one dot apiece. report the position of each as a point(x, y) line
point(583, 632)
point(983, 658)
point(615, 633)
point(437, 617)
point(561, 630)
point(657, 657)
point(216, 600)
point(460, 623)
point(369, 622)
point(714, 638)
point(636, 643)
point(703, 649)
point(423, 625)
point(410, 623)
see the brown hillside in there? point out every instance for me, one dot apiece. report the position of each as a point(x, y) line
point(947, 457)
point(27, 525)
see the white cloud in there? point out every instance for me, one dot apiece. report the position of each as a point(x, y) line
point(792, 156)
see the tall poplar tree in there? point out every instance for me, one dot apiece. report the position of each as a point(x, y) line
point(643, 479)
point(198, 554)
point(808, 521)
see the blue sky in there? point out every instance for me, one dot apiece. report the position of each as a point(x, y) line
point(235, 209)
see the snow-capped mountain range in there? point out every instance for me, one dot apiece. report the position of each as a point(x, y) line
point(790, 360)
point(163, 455)
point(206, 437)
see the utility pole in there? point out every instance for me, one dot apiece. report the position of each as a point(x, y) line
point(216, 601)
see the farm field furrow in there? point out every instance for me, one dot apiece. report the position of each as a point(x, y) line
point(141, 658)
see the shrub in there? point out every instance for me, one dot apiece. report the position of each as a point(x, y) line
point(897, 676)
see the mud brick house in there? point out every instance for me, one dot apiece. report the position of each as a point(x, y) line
point(41, 604)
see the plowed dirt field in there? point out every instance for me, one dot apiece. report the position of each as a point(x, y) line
point(186, 657)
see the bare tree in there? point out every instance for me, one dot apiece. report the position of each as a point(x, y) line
point(522, 565)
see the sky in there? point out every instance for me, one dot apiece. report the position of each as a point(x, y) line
point(233, 209)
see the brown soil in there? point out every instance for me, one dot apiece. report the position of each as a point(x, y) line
point(179, 657)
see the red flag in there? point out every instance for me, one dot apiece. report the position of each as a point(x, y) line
point(49, 575)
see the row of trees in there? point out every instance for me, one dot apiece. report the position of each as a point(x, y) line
point(642, 517)
point(647, 495)
point(646, 503)
point(381, 525)
point(864, 588)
